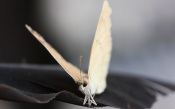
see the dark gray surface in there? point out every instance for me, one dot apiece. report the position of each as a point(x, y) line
point(40, 84)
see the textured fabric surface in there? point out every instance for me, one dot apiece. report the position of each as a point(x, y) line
point(41, 84)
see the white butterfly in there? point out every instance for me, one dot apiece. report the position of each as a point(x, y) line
point(95, 80)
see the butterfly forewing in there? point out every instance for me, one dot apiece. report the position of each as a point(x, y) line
point(72, 70)
point(101, 52)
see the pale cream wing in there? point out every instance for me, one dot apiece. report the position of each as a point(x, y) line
point(101, 52)
point(72, 70)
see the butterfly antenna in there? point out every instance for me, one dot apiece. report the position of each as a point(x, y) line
point(81, 69)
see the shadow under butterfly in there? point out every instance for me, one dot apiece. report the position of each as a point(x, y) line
point(41, 84)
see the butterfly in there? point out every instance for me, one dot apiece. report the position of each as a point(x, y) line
point(95, 81)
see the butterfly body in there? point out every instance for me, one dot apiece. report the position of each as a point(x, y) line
point(89, 95)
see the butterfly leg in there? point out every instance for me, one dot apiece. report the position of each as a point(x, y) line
point(92, 99)
point(85, 99)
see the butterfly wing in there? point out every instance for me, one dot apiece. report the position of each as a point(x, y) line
point(101, 52)
point(72, 70)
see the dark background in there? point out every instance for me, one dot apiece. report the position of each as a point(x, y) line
point(16, 43)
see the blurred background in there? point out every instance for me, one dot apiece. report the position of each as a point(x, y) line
point(143, 33)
